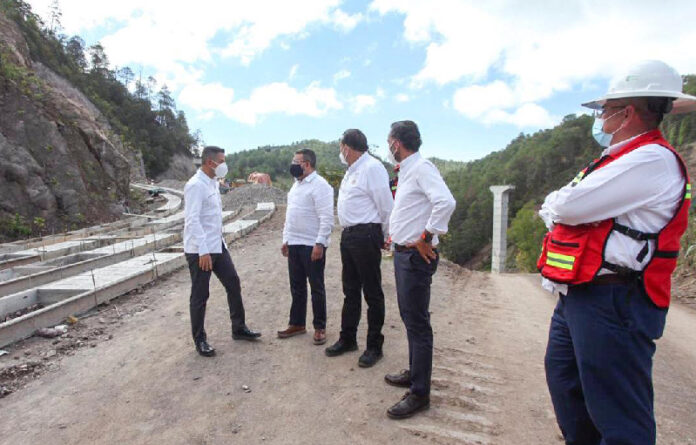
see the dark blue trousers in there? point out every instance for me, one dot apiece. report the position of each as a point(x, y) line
point(300, 269)
point(413, 279)
point(599, 364)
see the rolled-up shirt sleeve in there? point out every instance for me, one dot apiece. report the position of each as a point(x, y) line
point(193, 201)
point(439, 196)
point(323, 204)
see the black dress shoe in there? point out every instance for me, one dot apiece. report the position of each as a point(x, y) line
point(205, 349)
point(245, 334)
point(340, 347)
point(409, 405)
point(401, 379)
point(369, 358)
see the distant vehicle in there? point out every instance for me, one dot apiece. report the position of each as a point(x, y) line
point(156, 192)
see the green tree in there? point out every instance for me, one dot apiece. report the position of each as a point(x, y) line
point(526, 233)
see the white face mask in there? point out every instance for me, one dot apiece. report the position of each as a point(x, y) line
point(602, 138)
point(391, 158)
point(342, 157)
point(221, 170)
point(390, 155)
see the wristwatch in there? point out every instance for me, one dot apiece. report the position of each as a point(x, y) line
point(427, 236)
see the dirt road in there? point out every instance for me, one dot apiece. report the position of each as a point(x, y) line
point(146, 384)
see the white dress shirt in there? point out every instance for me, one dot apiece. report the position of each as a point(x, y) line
point(309, 216)
point(422, 202)
point(203, 215)
point(365, 196)
point(641, 189)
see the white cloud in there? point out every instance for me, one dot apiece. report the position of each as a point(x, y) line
point(273, 98)
point(474, 101)
point(362, 102)
point(527, 115)
point(401, 97)
point(162, 33)
point(538, 48)
point(206, 97)
point(293, 71)
point(497, 102)
point(345, 22)
point(343, 74)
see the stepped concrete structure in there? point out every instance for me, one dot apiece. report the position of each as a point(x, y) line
point(43, 281)
point(501, 196)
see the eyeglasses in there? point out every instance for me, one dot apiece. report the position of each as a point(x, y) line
point(604, 109)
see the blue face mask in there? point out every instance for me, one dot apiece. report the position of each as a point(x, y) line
point(602, 138)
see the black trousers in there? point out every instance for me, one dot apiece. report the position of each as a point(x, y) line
point(413, 279)
point(361, 257)
point(200, 280)
point(300, 269)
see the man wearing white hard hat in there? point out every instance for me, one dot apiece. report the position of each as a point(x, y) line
point(612, 246)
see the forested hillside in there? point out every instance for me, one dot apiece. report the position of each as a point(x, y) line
point(75, 131)
point(141, 112)
point(535, 164)
point(275, 160)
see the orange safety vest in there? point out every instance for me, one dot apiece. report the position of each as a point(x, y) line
point(575, 254)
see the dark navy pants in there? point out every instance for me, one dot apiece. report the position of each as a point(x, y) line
point(413, 279)
point(300, 269)
point(599, 364)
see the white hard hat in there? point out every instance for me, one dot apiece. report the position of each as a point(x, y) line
point(649, 78)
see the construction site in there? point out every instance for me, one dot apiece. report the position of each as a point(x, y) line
point(96, 346)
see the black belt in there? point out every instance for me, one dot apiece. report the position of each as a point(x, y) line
point(359, 227)
point(402, 248)
point(613, 279)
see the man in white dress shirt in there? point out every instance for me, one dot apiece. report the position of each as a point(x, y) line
point(613, 244)
point(309, 219)
point(422, 208)
point(206, 251)
point(364, 206)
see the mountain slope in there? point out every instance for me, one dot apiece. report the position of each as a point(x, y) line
point(60, 162)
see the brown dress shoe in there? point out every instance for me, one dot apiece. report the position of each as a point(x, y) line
point(402, 379)
point(319, 336)
point(291, 331)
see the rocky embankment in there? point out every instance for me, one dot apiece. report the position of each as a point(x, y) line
point(61, 165)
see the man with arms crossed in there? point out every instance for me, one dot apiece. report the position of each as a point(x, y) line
point(612, 246)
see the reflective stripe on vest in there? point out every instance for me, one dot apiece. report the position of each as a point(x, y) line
point(561, 261)
point(591, 239)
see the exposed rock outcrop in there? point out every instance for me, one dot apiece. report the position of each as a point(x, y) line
point(181, 168)
point(59, 158)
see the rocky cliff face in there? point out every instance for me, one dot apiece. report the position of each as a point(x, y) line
point(59, 159)
point(181, 168)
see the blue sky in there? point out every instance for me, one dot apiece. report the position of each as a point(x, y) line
point(472, 75)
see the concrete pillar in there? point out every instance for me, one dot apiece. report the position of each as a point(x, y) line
point(501, 195)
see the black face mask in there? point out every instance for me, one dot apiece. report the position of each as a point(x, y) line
point(296, 170)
